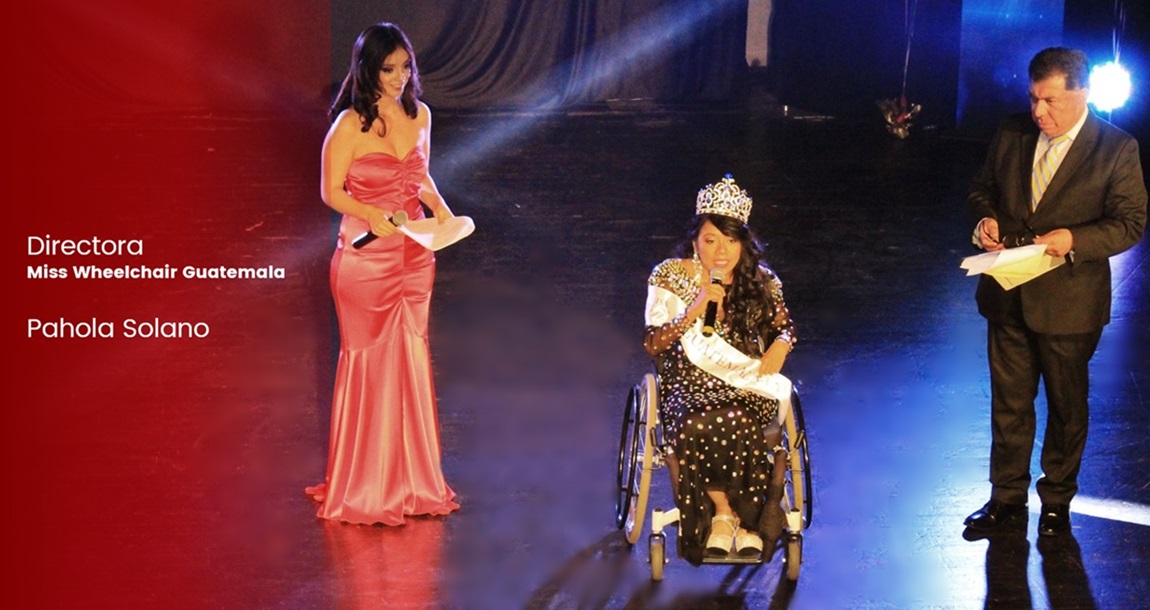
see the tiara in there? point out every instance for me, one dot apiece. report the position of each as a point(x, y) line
point(724, 198)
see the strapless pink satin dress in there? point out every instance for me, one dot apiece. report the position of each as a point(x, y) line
point(384, 454)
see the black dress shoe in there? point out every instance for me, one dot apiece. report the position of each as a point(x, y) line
point(1055, 520)
point(993, 514)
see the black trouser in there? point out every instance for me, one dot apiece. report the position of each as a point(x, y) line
point(1018, 357)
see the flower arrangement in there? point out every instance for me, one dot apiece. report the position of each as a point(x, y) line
point(898, 114)
point(897, 111)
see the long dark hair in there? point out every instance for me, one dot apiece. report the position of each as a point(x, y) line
point(360, 88)
point(749, 307)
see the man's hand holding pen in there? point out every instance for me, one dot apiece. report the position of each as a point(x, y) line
point(988, 235)
point(1058, 242)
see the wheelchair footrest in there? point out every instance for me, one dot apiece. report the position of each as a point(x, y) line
point(734, 559)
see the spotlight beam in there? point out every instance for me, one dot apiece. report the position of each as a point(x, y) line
point(1107, 508)
point(663, 29)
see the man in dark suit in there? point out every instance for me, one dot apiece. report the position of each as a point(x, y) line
point(1064, 178)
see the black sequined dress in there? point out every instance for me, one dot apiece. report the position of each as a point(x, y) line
point(715, 430)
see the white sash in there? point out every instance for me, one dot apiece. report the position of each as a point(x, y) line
point(714, 355)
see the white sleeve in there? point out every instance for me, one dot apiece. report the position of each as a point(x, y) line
point(662, 306)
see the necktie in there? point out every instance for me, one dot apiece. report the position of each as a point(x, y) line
point(1044, 169)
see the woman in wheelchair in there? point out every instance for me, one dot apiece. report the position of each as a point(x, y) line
point(722, 438)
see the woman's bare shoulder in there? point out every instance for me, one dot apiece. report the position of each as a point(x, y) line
point(423, 114)
point(347, 120)
point(346, 128)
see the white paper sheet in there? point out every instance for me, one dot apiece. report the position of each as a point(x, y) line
point(434, 235)
point(1013, 266)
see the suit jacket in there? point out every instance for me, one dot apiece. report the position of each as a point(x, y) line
point(1098, 194)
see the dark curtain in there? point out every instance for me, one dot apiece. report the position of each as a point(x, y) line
point(560, 53)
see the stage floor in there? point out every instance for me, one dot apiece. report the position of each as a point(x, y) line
point(183, 464)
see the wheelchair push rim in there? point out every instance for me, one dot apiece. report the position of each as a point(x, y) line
point(637, 446)
point(798, 494)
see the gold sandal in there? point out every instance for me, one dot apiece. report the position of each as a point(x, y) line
point(722, 536)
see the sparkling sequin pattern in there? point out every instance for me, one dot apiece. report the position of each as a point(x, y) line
point(715, 430)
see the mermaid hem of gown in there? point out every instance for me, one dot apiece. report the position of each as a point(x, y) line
point(424, 508)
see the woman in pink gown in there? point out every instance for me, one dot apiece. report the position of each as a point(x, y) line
point(384, 454)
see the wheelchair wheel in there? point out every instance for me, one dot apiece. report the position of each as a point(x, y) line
point(657, 555)
point(798, 495)
point(794, 556)
point(637, 446)
point(625, 474)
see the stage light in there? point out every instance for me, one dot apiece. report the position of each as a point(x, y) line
point(1109, 86)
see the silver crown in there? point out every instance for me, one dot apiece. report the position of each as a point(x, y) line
point(724, 198)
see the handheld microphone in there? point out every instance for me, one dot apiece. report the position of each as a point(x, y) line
point(398, 219)
point(712, 306)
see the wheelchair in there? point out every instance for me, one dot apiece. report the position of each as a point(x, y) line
point(642, 451)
